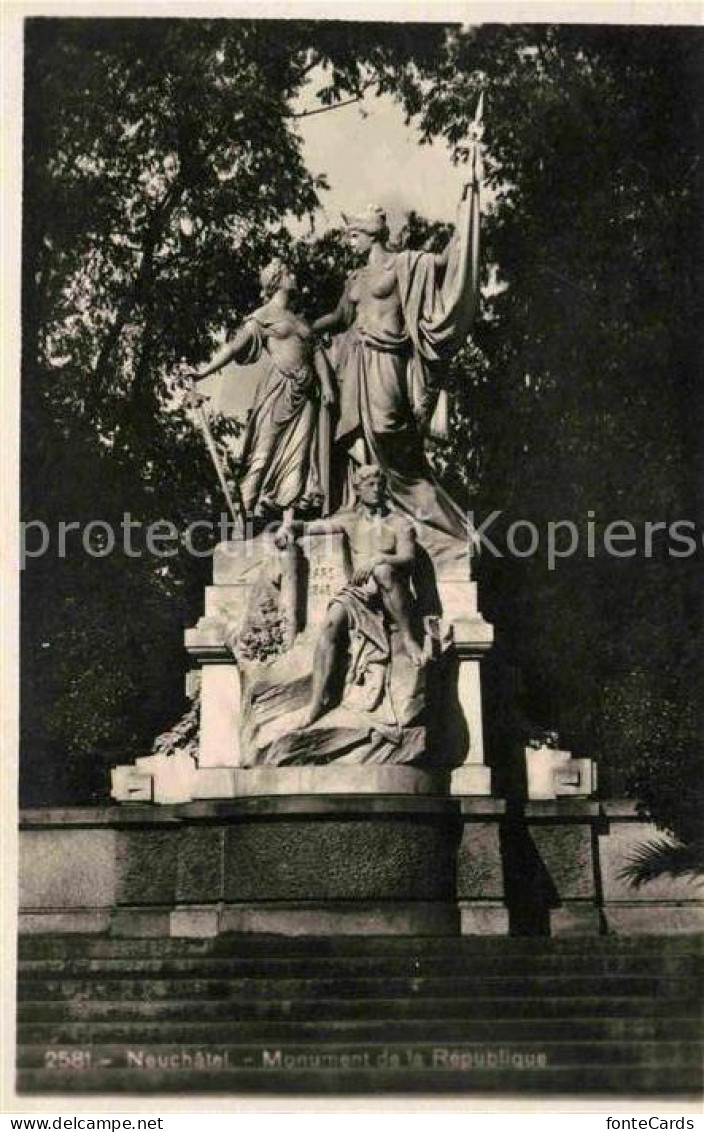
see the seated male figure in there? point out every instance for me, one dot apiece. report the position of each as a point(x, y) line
point(382, 549)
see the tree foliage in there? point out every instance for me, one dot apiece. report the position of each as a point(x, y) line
point(585, 399)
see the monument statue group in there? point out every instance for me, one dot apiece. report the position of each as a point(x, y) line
point(328, 779)
point(342, 627)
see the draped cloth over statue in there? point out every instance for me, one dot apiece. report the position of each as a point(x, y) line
point(280, 453)
point(391, 385)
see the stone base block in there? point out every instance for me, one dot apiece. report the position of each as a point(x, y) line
point(559, 848)
point(575, 919)
point(297, 780)
point(141, 923)
point(341, 861)
point(73, 921)
point(341, 849)
point(483, 919)
point(554, 774)
point(67, 867)
point(654, 919)
point(471, 779)
point(128, 785)
point(195, 922)
point(628, 841)
point(337, 918)
point(213, 782)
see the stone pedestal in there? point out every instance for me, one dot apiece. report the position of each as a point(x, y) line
point(552, 774)
point(322, 572)
point(306, 865)
point(219, 715)
point(563, 836)
point(453, 759)
point(480, 876)
point(321, 781)
point(417, 864)
point(344, 847)
point(551, 867)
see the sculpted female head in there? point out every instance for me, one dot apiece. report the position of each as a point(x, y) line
point(366, 228)
point(276, 276)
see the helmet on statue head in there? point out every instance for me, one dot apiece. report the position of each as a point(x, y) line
point(372, 220)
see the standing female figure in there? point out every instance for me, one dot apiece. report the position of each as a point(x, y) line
point(280, 457)
point(401, 318)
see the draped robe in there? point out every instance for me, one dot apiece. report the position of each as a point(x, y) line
point(390, 386)
point(280, 451)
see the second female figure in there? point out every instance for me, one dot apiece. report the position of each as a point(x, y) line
point(283, 456)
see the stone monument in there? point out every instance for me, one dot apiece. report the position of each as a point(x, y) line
point(337, 661)
point(329, 776)
point(341, 655)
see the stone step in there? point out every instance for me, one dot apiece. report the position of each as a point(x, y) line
point(527, 985)
point(381, 1006)
point(210, 966)
point(271, 1014)
point(653, 1079)
point(392, 1029)
point(52, 946)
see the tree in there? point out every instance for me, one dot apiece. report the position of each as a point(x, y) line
point(584, 398)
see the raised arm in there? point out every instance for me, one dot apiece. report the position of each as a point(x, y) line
point(292, 529)
point(333, 321)
point(241, 344)
point(340, 318)
point(446, 254)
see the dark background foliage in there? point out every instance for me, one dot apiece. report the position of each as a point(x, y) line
point(161, 161)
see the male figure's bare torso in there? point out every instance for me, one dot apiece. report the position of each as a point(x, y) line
point(371, 535)
point(382, 548)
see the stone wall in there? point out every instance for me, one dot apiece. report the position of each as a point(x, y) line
point(380, 865)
